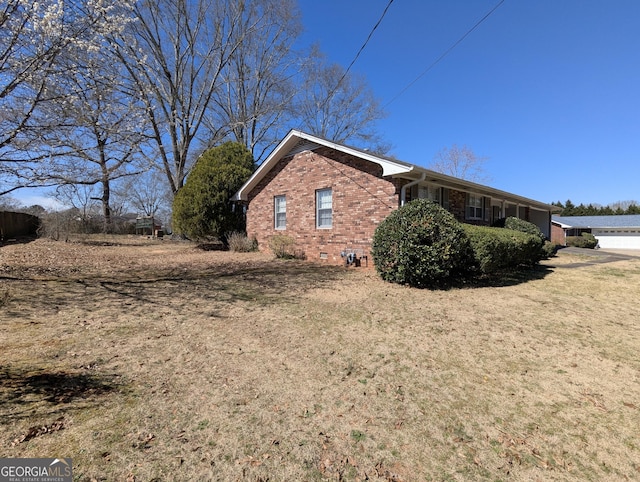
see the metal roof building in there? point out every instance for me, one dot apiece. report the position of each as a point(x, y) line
point(615, 232)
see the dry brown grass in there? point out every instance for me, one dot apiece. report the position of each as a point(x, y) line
point(146, 360)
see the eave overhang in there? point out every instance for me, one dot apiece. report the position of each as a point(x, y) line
point(295, 138)
point(297, 141)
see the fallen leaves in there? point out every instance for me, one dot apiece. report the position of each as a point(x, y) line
point(39, 430)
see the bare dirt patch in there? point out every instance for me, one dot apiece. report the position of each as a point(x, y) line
point(148, 360)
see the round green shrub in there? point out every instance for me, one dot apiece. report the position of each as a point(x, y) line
point(422, 245)
point(518, 224)
point(550, 249)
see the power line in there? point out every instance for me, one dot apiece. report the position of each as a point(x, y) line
point(446, 52)
point(366, 41)
point(359, 52)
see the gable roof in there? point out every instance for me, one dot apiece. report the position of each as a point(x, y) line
point(297, 141)
point(613, 221)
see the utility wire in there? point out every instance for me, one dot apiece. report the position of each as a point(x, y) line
point(333, 91)
point(365, 42)
point(447, 52)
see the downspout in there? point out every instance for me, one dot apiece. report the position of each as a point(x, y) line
point(403, 190)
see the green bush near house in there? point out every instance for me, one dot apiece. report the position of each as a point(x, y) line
point(518, 224)
point(422, 245)
point(202, 208)
point(496, 249)
point(587, 240)
point(548, 249)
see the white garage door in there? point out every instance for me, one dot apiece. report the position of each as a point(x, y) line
point(618, 238)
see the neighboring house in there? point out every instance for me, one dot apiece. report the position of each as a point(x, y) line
point(615, 232)
point(329, 198)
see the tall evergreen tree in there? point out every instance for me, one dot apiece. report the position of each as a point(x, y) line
point(203, 208)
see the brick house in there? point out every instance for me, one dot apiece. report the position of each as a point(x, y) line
point(329, 198)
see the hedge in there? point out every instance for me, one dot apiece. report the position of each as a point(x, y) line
point(587, 240)
point(498, 249)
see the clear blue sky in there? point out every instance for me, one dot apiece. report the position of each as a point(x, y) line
point(548, 90)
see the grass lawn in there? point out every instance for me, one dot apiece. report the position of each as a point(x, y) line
point(156, 361)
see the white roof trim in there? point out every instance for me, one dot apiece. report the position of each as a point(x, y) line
point(562, 225)
point(389, 167)
point(292, 144)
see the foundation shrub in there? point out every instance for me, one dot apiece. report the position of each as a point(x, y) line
point(241, 243)
point(497, 249)
point(422, 245)
point(550, 249)
point(517, 224)
point(282, 246)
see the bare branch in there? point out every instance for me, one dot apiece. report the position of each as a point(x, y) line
point(460, 162)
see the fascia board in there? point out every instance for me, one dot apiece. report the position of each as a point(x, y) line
point(469, 186)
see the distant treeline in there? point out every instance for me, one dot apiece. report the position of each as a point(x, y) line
point(621, 207)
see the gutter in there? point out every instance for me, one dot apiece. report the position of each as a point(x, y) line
point(403, 190)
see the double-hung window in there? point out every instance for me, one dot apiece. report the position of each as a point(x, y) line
point(475, 207)
point(280, 212)
point(324, 208)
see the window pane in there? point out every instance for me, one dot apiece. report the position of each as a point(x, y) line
point(475, 207)
point(324, 216)
point(280, 208)
point(324, 199)
point(324, 208)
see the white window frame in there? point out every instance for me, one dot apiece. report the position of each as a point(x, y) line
point(280, 212)
point(324, 209)
point(475, 206)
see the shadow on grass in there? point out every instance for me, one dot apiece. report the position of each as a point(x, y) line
point(17, 240)
point(95, 242)
point(19, 388)
point(263, 281)
point(274, 280)
point(494, 280)
point(511, 278)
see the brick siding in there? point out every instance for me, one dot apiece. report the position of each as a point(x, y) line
point(361, 199)
point(558, 235)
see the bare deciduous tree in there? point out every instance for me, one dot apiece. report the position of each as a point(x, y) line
point(338, 106)
point(97, 139)
point(146, 193)
point(33, 38)
point(254, 105)
point(460, 162)
point(174, 55)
